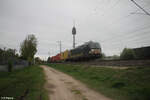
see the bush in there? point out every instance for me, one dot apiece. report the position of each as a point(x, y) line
point(118, 85)
point(10, 65)
point(103, 56)
point(127, 54)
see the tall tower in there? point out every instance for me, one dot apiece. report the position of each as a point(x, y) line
point(74, 33)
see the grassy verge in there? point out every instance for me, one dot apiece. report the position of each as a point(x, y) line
point(27, 83)
point(118, 84)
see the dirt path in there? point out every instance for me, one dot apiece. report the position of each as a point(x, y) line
point(63, 87)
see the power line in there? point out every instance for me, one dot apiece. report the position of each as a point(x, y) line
point(122, 35)
point(108, 7)
point(127, 37)
point(147, 13)
point(117, 2)
point(111, 7)
point(124, 42)
point(128, 42)
point(140, 42)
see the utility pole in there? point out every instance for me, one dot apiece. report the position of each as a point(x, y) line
point(147, 13)
point(59, 42)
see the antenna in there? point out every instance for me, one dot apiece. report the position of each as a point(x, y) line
point(73, 22)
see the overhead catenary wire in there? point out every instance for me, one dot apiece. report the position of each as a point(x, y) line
point(128, 42)
point(129, 37)
point(123, 34)
point(143, 38)
point(108, 8)
point(121, 18)
point(134, 38)
point(147, 13)
point(123, 45)
point(115, 23)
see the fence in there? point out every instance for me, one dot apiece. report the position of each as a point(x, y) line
point(17, 64)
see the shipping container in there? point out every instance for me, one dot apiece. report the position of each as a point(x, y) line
point(64, 55)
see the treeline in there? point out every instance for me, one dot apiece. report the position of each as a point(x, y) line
point(7, 55)
point(130, 54)
point(10, 55)
point(28, 49)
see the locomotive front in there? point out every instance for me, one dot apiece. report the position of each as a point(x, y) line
point(95, 49)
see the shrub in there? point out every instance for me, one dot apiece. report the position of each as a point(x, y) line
point(118, 85)
point(127, 54)
point(10, 65)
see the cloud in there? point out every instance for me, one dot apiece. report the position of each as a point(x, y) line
point(108, 22)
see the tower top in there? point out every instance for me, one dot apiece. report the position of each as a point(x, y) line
point(74, 30)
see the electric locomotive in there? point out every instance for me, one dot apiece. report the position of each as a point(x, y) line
point(89, 50)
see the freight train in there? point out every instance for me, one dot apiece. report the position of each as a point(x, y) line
point(87, 51)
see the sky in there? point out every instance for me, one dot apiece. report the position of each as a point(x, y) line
point(115, 24)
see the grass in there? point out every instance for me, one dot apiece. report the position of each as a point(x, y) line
point(118, 84)
point(75, 91)
point(27, 82)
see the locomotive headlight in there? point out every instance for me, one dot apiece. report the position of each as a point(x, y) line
point(92, 50)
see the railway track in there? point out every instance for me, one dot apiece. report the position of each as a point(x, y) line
point(121, 63)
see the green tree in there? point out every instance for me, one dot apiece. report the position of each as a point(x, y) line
point(37, 60)
point(28, 48)
point(48, 60)
point(115, 57)
point(102, 56)
point(10, 66)
point(7, 54)
point(127, 54)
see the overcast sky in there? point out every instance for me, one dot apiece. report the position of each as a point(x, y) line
point(109, 22)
